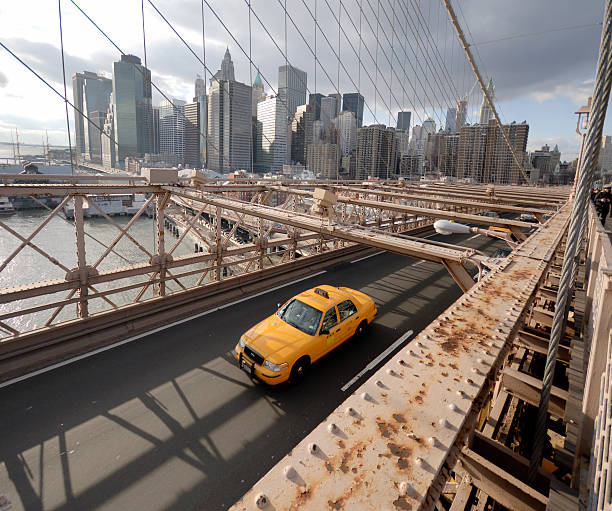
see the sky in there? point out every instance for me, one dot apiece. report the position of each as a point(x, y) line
point(541, 55)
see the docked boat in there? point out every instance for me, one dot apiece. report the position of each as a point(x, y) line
point(6, 207)
point(111, 204)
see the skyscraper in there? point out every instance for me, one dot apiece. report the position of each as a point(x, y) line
point(346, 127)
point(429, 126)
point(314, 99)
point(92, 97)
point(484, 156)
point(201, 98)
point(109, 147)
point(132, 109)
point(403, 120)
point(322, 160)
point(377, 152)
point(338, 98)
point(172, 128)
point(259, 93)
point(229, 121)
point(485, 110)
point(451, 115)
point(302, 132)
point(272, 137)
point(155, 131)
point(226, 71)
point(292, 84)
point(192, 153)
point(461, 115)
point(200, 86)
point(329, 107)
point(353, 102)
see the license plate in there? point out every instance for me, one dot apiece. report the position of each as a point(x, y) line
point(246, 366)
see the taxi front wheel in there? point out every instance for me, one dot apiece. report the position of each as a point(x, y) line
point(299, 369)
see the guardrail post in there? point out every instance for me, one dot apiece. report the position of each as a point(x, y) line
point(79, 226)
point(218, 245)
point(160, 204)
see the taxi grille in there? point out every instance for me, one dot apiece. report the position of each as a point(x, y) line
point(253, 355)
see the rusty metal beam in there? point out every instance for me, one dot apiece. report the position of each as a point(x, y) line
point(528, 389)
point(25, 190)
point(420, 249)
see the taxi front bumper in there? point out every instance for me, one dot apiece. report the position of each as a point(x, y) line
point(255, 370)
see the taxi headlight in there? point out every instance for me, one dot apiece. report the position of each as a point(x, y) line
point(277, 368)
point(241, 342)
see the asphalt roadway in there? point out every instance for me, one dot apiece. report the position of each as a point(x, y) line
point(170, 422)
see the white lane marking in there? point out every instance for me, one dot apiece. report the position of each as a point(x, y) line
point(420, 262)
point(378, 359)
point(367, 257)
point(472, 237)
point(140, 336)
point(430, 236)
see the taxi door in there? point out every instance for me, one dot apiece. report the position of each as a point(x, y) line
point(329, 333)
point(349, 319)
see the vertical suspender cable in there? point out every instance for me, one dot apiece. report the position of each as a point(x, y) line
point(59, 5)
point(251, 82)
point(601, 95)
point(204, 129)
point(144, 38)
point(359, 172)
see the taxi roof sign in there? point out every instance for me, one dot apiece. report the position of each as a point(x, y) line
point(321, 292)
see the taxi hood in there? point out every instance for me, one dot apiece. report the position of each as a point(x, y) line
point(274, 339)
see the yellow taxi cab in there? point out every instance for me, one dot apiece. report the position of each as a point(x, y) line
point(308, 326)
point(504, 230)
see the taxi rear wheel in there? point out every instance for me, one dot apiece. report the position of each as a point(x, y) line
point(299, 370)
point(361, 329)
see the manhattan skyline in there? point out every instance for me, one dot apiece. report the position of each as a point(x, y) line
point(541, 79)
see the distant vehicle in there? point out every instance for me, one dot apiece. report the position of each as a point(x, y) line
point(311, 324)
point(490, 214)
point(504, 230)
point(528, 217)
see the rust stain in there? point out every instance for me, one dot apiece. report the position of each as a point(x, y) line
point(336, 504)
point(403, 454)
point(341, 444)
point(419, 400)
point(450, 346)
point(329, 466)
point(444, 373)
point(454, 366)
point(399, 417)
point(386, 429)
point(303, 495)
point(344, 463)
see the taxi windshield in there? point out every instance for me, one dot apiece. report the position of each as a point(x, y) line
point(301, 316)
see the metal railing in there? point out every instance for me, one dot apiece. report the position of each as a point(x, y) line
point(597, 404)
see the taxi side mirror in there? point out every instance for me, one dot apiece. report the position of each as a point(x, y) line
point(324, 331)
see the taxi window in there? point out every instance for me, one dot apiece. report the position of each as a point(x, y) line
point(330, 319)
point(346, 309)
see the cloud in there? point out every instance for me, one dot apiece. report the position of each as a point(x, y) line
point(3, 79)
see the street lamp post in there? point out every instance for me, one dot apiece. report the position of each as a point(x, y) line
point(448, 227)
